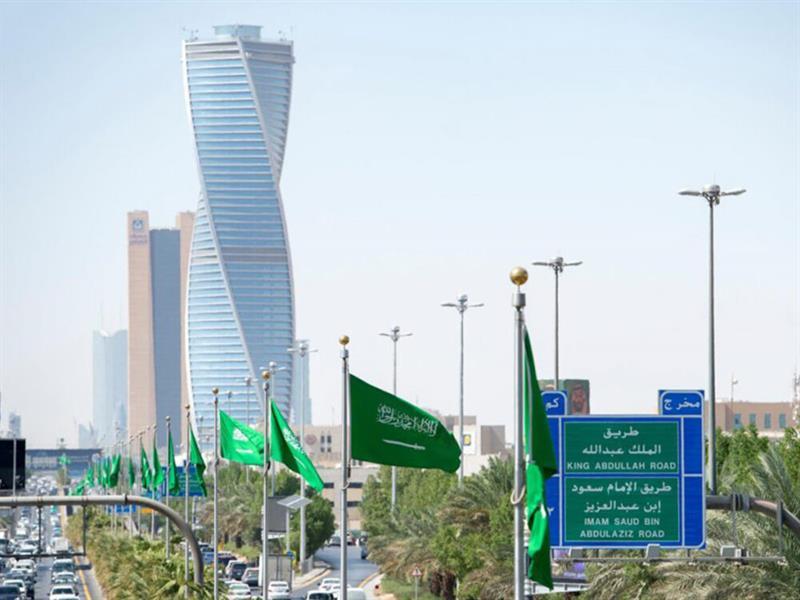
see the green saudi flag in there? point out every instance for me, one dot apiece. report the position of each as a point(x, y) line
point(131, 474)
point(390, 431)
point(196, 458)
point(79, 489)
point(173, 483)
point(238, 442)
point(158, 474)
point(89, 477)
point(541, 465)
point(113, 472)
point(144, 468)
point(286, 449)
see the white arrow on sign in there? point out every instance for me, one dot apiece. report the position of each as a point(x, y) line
point(412, 446)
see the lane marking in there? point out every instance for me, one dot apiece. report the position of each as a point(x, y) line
point(85, 587)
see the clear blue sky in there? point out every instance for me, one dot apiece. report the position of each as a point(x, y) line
point(431, 148)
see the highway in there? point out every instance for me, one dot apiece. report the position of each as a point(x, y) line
point(357, 569)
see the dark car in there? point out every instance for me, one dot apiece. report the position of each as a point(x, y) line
point(236, 569)
point(250, 577)
point(9, 592)
point(364, 552)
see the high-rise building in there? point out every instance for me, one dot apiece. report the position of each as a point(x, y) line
point(14, 425)
point(109, 385)
point(157, 266)
point(240, 297)
point(86, 436)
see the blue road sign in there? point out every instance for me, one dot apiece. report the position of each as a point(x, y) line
point(194, 485)
point(628, 481)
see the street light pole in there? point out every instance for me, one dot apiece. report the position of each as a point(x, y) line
point(268, 377)
point(734, 382)
point(712, 194)
point(302, 350)
point(461, 305)
point(557, 264)
point(393, 335)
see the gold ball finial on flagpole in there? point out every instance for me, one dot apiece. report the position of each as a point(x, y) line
point(344, 340)
point(215, 391)
point(265, 375)
point(518, 276)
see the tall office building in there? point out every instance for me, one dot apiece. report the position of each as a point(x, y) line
point(157, 267)
point(240, 300)
point(109, 385)
point(14, 425)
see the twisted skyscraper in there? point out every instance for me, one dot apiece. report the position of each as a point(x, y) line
point(240, 302)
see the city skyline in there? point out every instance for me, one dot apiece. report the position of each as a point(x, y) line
point(427, 168)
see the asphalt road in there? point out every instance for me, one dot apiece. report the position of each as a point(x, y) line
point(357, 569)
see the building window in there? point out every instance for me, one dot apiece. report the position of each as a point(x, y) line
point(767, 421)
point(353, 503)
point(356, 485)
point(752, 418)
point(782, 420)
point(328, 485)
point(737, 420)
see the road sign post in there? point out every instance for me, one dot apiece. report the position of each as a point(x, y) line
point(416, 574)
point(628, 481)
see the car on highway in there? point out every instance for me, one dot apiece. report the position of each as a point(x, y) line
point(22, 589)
point(27, 580)
point(278, 590)
point(235, 569)
point(250, 577)
point(238, 590)
point(64, 577)
point(62, 592)
point(335, 541)
point(63, 564)
point(9, 592)
point(328, 583)
point(364, 552)
point(318, 595)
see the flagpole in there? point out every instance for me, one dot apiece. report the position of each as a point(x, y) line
point(265, 375)
point(131, 491)
point(215, 392)
point(186, 494)
point(153, 486)
point(141, 474)
point(518, 277)
point(344, 340)
point(169, 475)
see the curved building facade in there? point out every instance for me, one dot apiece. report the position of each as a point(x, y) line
point(240, 302)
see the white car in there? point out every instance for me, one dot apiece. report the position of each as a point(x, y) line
point(328, 583)
point(278, 590)
point(65, 577)
point(20, 585)
point(63, 592)
point(238, 590)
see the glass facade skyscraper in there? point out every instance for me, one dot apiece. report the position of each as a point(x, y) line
point(240, 304)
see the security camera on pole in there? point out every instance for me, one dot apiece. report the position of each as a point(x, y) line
point(395, 336)
point(712, 194)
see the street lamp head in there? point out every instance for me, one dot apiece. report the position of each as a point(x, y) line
point(265, 375)
point(215, 390)
point(344, 340)
point(711, 190)
point(518, 276)
point(248, 381)
point(463, 299)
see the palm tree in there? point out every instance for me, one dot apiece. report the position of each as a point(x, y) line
point(768, 479)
